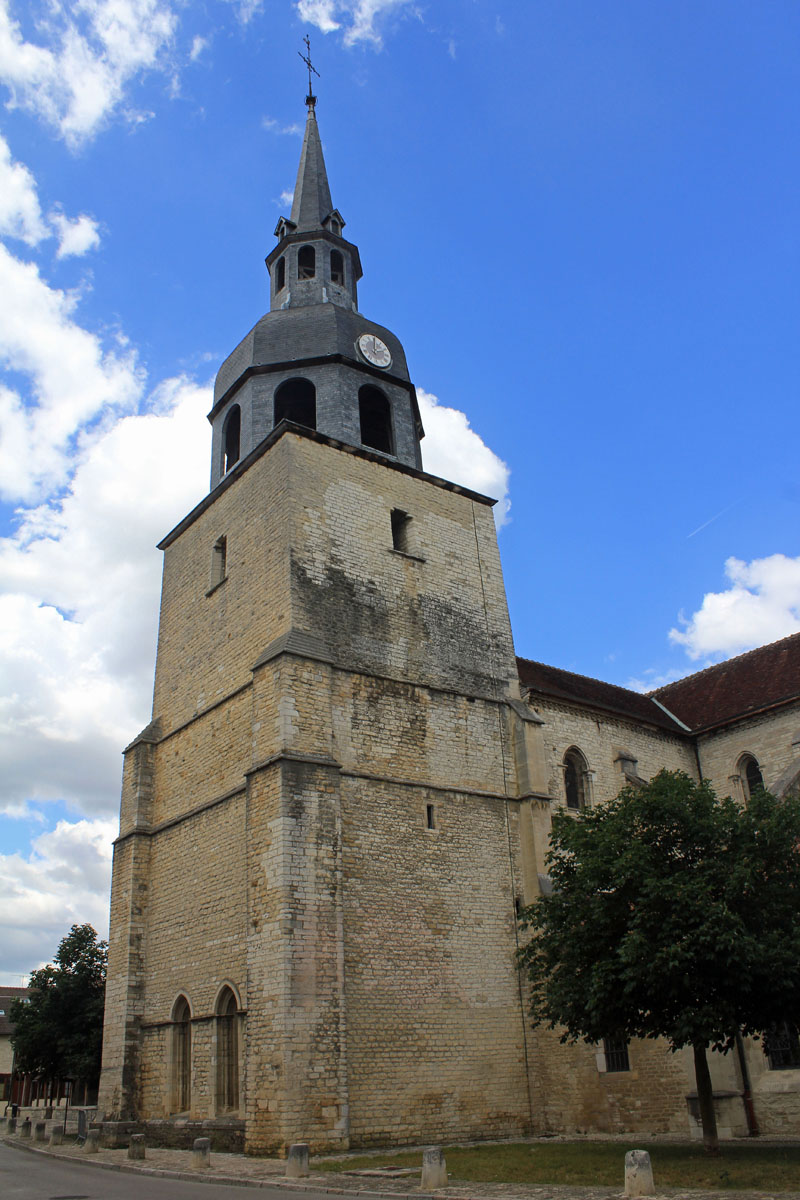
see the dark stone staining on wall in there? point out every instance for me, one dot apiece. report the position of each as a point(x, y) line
point(446, 644)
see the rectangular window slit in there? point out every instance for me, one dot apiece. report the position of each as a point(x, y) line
point(430, 816)
point(400, 524)
point(219, 561)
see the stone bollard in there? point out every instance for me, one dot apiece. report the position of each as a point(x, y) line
point(40, 1131)
point(11, 1125)
point(434, 1169)
point(297, 1161)
point(92, 1143)
point(638, 1174)
point(136, 1147)
point(25, 1128)
point(57, 1136)
point(201, 1152)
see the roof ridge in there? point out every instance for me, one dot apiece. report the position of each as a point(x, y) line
point(725, 663)
point(578, 675)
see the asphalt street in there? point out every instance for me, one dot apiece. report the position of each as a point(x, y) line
point(26, 1176)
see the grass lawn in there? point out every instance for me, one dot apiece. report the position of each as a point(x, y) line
point(759, 1166)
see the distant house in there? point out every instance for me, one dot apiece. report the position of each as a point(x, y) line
point(7, 994)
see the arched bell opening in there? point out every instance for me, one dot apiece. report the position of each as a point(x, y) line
point(296, 401)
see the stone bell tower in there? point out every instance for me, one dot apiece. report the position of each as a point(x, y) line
point(327, 824)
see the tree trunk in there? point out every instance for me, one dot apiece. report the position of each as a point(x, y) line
point(705, 1096)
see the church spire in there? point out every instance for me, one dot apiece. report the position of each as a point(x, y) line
point(312, 194)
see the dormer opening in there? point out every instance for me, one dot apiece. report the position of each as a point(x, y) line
point(375, 413)
point(231, 438)
point(306, 262)
point(296, 401)
point(280, 274)
point(337, 267)
point(335, 226)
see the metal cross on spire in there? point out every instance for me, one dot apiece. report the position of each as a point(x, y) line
point(311, 99)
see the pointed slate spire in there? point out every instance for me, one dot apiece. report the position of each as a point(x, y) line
point(312, 195)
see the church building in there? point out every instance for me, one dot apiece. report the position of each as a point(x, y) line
point(344, 795)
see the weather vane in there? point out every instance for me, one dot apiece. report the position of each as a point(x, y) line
point(311, 99)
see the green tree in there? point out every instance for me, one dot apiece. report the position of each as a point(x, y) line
point(674, 914)
point(58, 1030)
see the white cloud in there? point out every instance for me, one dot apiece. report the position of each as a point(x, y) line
point(761, 605)
point(76, 77)
point(65, 880)
point(454, 451)
point(198, 46)
point(287, 198)
point(76, 235)
point(74, 380)
point(360, 19)
point(275, 126)
point(20, 212)
point(79, 606)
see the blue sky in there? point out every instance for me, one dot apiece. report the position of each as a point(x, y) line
point(580, 217)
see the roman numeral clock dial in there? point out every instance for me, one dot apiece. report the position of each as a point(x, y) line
point(374, 350)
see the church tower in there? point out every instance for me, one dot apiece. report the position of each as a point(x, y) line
point(328, 822)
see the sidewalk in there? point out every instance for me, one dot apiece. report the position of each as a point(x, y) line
point(243, 1171)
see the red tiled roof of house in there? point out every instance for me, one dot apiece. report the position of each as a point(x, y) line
point(757, 680)
point(580, 689)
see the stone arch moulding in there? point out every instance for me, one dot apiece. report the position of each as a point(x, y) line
point(750, 774)
point(227, 985)
point(577, 779)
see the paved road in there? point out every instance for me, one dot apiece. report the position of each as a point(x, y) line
point(26, 1176)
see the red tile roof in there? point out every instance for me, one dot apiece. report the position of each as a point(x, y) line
point(580, 689)
point(747, 684)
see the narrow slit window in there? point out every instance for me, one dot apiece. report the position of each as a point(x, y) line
point(280, 274)
point(219, 561)
point(337, 267)
point(430, 816)
point(400, 523)
point(306, 263)
point(231, 438)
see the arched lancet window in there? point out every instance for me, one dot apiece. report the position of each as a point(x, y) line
point(280, 274)
point(750, 773)
point(375, 413)
point(306, 262)
point(181, 1055)
point(296, 400)
point(231, 438)
point(575, 771)
point(337, 267)
point(227, 1051)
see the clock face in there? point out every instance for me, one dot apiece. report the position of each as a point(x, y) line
point(374, 350)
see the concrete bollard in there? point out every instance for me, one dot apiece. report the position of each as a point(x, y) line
point(297, 1161)
point(434, 1169)
point(25, 1128)
point(40, 1131)
point(56, 1136)
point(92, 1143)
point(136, 1147)
point(11, 1125)
point(201, 1152)
point(638, 1174)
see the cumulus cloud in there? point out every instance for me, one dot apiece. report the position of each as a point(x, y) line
point(65, 880)
point(76, 236)
point(454, 451)
point(360, 20)
point(79, 605)
point(76, 76)
point(20, 211)
point(74, 380)
point(199, 44)
point(761, 605)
